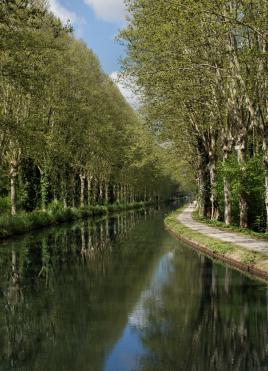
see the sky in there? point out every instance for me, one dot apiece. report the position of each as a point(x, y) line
point(97, 22)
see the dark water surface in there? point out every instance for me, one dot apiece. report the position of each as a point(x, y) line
point(122, 294)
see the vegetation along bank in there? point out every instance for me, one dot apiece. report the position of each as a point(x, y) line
point(56, 214)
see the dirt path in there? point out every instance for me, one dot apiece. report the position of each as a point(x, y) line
point(247, 242)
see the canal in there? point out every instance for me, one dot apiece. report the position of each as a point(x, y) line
point(122, 294)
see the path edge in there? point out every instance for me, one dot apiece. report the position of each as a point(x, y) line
point(206, 250)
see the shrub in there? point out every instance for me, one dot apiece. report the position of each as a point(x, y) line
point(55, 206)
point(5, 204)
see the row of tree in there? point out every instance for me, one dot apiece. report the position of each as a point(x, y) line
point(203, 68)
point(66, 132)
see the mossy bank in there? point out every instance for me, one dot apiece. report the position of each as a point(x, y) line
point(254, 263)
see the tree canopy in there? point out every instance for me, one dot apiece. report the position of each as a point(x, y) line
point(66, 131)
point(202, 68)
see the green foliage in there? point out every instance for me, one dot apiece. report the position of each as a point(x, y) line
point(4, 204)
point(55, 206)
point(249, 258)
point(250, 181)
point(64, 123)
point(202, 71)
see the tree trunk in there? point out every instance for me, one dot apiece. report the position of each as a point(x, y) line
point(204, 196)
point(227, 201)
point(243, 209)
point(73, 201)
point(101, 192)
point(13, 180)
point(201, 192)
point(106, 193)
point(82, 191)
point(120, 187)
point(128, 194)
point(89, 186)
point(124, 194)
point(212, 160)
point(94, 190)
point(114, 194)
point(228, 142)
point(213, 193)
point(243, 205)
point(265, 161)
point(118, 193)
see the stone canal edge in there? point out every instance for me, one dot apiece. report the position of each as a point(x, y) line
point(244, 253)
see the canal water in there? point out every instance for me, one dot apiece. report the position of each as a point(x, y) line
point(122, 294)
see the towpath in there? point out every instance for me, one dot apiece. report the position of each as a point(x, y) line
point(247, 242)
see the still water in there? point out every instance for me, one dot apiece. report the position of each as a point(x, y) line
point(122, 294)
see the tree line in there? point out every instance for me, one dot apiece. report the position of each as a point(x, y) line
point(66, 132)
point(203, 69)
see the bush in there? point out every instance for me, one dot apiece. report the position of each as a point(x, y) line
point(55, 206)
point(10, 225)
point(39, 219)
point(5, 204)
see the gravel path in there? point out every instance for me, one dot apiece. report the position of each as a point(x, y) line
point(247, 242)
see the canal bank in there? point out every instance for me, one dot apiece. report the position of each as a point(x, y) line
point(242, 252)
point(21, 223)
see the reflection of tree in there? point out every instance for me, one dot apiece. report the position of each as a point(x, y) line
point(214, 325)
point(19, 321)
point(67, 293)
point(72, 289)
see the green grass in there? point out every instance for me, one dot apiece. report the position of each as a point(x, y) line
point(183, 231)
point(249, 258)
point(252, 259)
point(235, 252)
point(230, 228)
point(56, 214)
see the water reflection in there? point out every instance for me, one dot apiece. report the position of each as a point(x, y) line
point(204, 317)
point(121, 294)
point(55, 286)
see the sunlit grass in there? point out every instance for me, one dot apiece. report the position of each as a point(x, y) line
point(235, 252)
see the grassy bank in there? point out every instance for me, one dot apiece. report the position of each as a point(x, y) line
point(250, 261)
point(26, 222)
